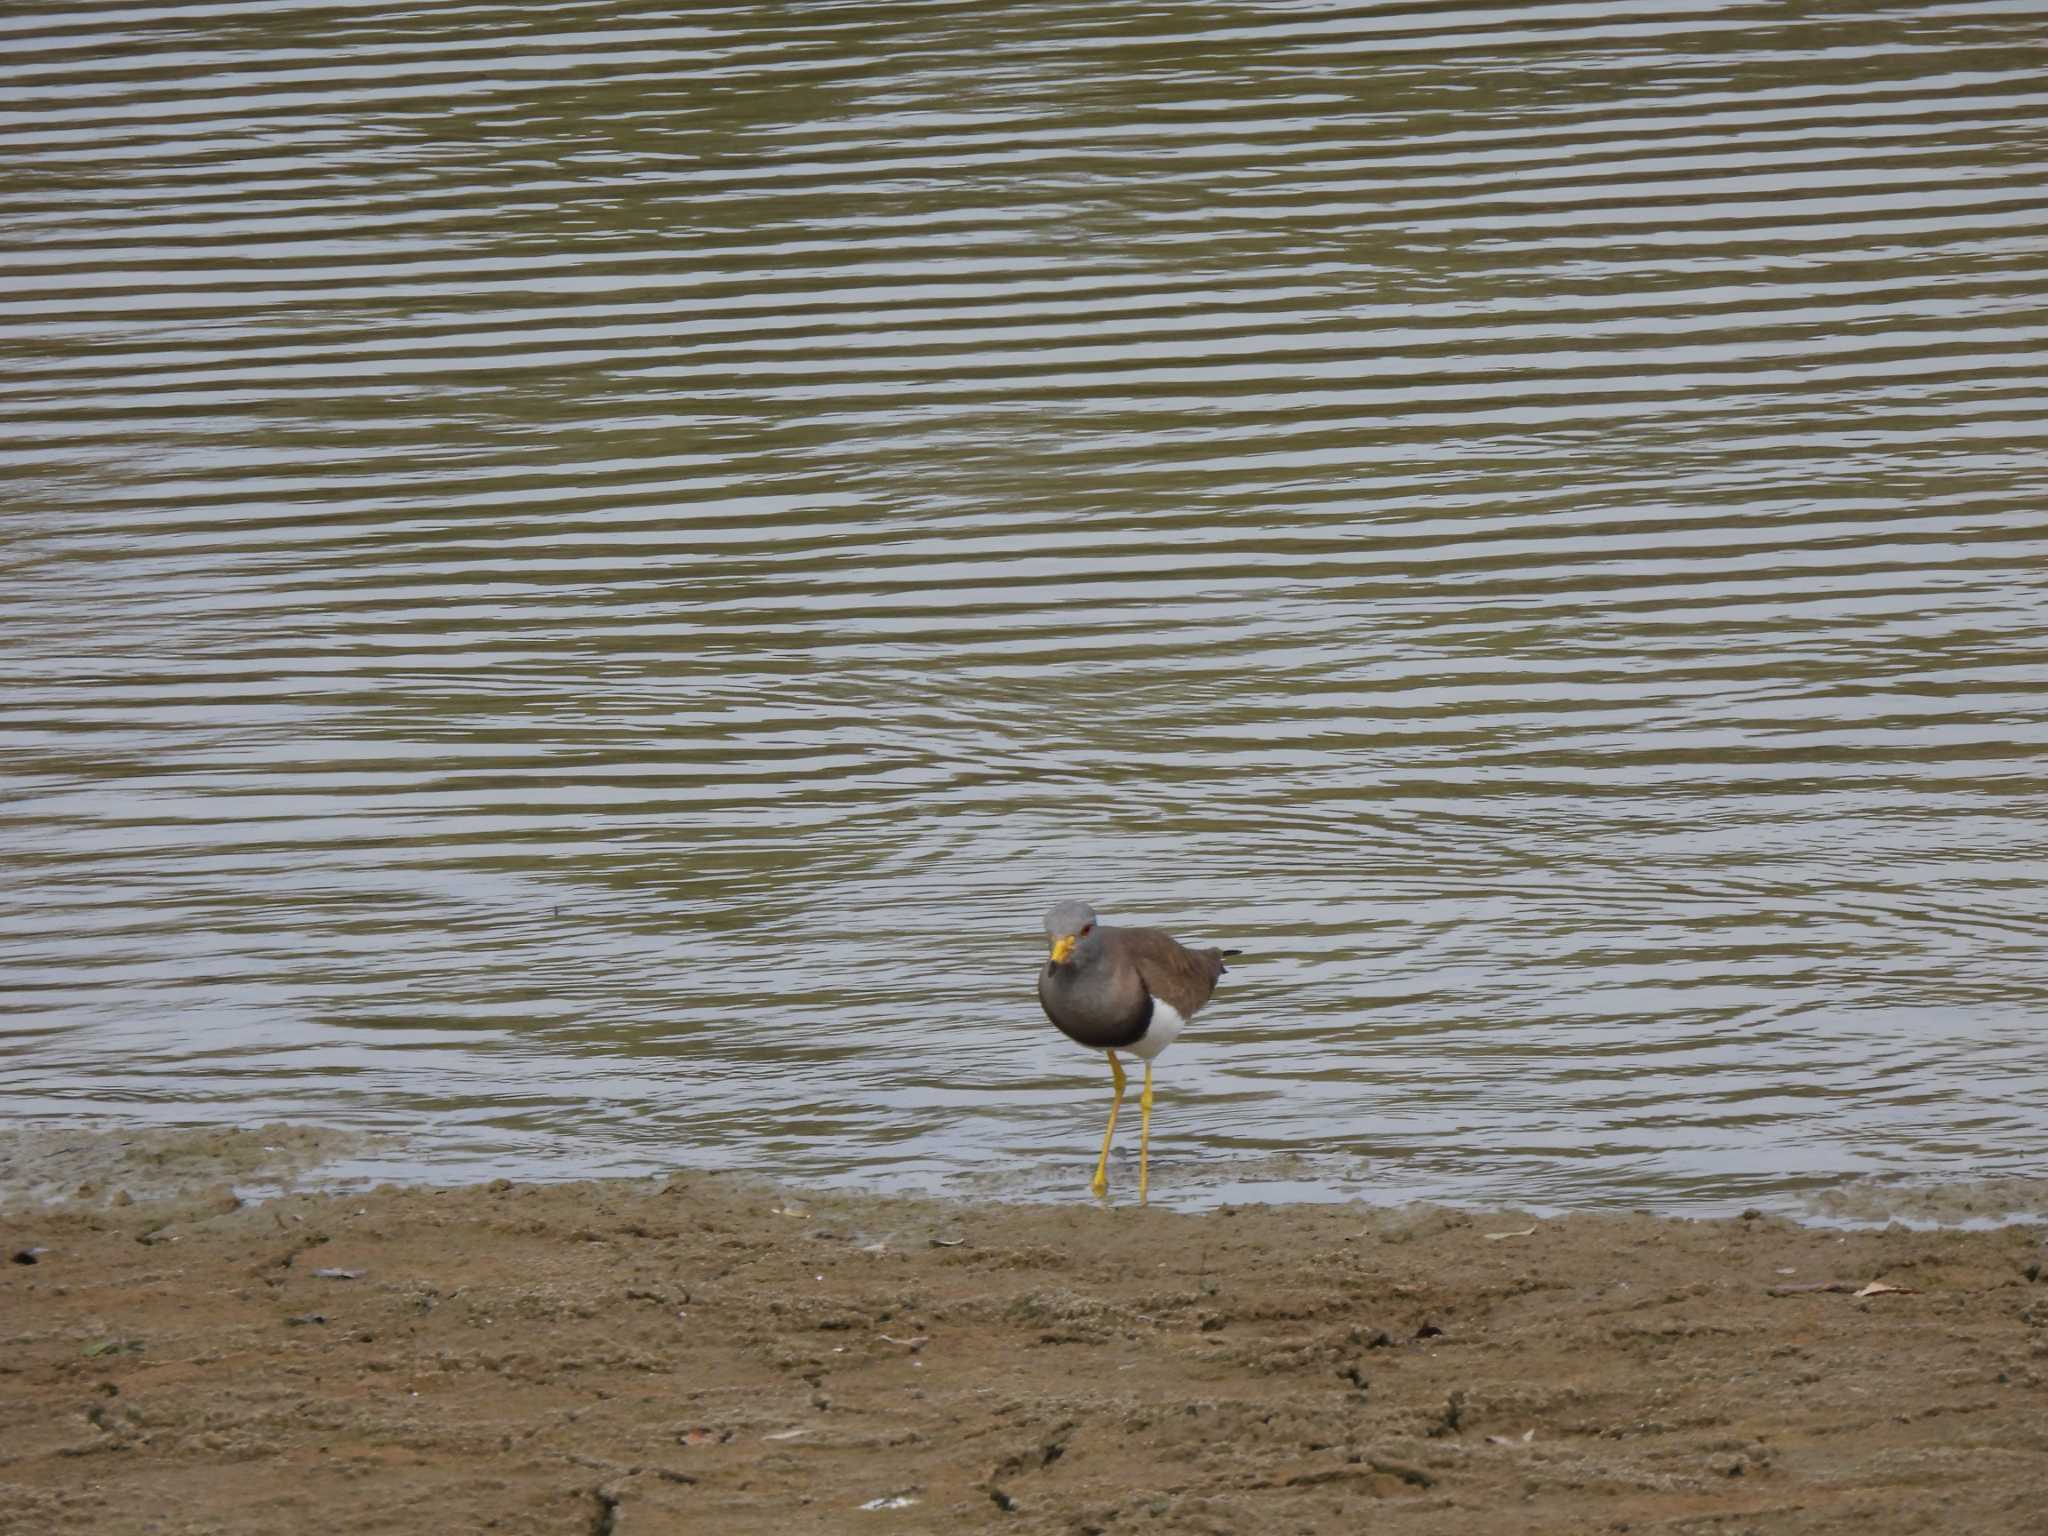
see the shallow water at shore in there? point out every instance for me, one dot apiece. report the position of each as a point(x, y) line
point(80, 1167)
point(577, 579)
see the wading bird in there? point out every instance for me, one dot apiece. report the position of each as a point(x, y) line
point(1122, 989)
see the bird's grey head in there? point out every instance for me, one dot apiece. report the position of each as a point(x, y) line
point(1066, 925)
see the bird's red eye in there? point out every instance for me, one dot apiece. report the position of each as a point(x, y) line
point(1086, 929)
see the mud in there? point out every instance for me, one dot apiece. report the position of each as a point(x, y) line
point(86, 1166)
point(706, 1354)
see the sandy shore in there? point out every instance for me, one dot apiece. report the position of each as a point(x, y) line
point(706, 1354)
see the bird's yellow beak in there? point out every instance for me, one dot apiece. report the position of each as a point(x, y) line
point(1062, 947)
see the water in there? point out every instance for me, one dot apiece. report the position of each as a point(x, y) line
point(578, 578)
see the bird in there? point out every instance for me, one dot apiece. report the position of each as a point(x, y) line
point(1122, 989)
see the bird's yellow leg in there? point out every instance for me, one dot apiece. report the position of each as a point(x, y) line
point(1101, 1181)
point(1145, 1132)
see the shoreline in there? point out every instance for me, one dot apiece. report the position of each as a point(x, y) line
point(712, 1353)
point(66, 1163)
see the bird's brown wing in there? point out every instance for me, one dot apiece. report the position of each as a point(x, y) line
point(1180, 977)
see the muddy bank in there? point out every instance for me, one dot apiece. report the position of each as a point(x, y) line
point(707, 1354)
point(84, 1166)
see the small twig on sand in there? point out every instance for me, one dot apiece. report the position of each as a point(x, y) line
point(1844, 1287)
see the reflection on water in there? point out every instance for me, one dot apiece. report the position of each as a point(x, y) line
point(579, 577)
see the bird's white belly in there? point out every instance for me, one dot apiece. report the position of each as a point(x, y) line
point(1164, 1029)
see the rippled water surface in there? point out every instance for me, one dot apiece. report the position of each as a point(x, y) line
point(579, 576)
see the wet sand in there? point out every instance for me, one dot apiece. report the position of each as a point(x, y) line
point(709, 1354)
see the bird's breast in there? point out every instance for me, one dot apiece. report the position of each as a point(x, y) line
point(1091, 1013)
